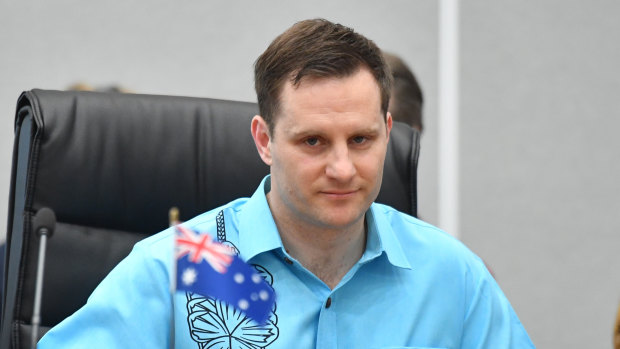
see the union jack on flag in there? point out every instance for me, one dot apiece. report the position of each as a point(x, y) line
point(208, 268)
point(202, 246)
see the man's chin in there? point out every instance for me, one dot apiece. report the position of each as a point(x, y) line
point(343, 220)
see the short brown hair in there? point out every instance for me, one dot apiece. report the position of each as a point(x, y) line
point(315, 48)
point(407, 98)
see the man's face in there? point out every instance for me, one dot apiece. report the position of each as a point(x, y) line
point(326, 152)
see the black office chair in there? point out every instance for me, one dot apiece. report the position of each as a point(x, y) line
point(111, 166)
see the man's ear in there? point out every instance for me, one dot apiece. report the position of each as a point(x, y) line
point(388, 124)
point(262, 138)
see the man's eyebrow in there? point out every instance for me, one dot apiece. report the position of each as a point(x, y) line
point(298, 133)
point(373, 129)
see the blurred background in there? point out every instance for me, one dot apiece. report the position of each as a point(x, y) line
point(539, 154)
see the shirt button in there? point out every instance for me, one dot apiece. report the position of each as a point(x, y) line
point(328, 303)
point(288, 260)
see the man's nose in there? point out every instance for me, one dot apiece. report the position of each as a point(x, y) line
point(340, 165)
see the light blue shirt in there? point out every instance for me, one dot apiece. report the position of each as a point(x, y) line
point(414, 287)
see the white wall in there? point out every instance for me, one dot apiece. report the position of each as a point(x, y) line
point(541, 160)
point(539, 166)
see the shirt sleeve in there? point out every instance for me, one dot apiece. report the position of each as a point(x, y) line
point(490, 321)
point(131, 308)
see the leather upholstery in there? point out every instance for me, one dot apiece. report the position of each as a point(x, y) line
point(111, 165)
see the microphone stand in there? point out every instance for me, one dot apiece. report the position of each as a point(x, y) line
point(44, 222)
point(36, 314)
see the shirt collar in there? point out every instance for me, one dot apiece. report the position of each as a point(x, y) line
point(258, 232)
point(382, 238)
point(257, 229)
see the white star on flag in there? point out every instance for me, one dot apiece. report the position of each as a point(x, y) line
point(189, 276)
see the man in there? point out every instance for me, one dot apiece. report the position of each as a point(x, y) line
point(348, 273)
point(406, 99)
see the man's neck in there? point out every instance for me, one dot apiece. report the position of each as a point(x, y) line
point(328, 254)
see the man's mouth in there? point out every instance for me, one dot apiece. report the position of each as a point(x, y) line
point(336, 194)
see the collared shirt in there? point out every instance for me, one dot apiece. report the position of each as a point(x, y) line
point(414, 287)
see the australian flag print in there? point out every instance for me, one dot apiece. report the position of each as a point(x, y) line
point(208, 268)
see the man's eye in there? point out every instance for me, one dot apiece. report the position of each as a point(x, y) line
point(312, 141)
point(359, 139)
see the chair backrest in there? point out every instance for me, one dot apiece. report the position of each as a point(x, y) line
point(111, 165)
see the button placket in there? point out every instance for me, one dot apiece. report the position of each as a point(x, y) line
point(327, 331)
